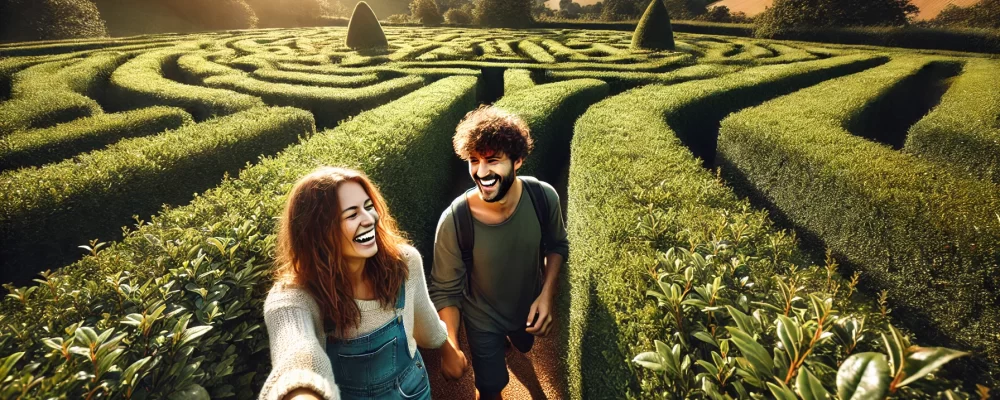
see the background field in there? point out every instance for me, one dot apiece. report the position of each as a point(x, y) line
point(666, 162)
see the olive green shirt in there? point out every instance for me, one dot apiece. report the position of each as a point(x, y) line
point(507, 259)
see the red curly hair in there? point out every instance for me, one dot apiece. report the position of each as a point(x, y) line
point(309, 253)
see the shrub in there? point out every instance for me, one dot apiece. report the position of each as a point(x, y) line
point(676, 203)
point(188, 287)
point(787, 15)
point(141, 83)
point(364, 30)
point(536, 52)
point(983, 14)
point(653, 31)
point(328, 105)
point(286, 13)
point(426, 12)
point(22, 20)
point(49, 211)
point(399, 19)
point(902, 221)
point(55, 92)
point(43, 146)
point(457, 16)
point(503, 13)
point(218, 14)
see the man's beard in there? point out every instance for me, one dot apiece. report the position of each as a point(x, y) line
point(505, 184)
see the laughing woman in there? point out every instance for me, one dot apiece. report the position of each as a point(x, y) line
point(349, 305)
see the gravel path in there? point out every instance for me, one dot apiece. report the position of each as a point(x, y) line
point(534, 375)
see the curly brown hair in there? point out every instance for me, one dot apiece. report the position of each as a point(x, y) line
point(487, 130)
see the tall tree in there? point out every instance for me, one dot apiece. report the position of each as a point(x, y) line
point(784, 15)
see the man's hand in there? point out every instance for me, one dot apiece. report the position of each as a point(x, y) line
point(543, 308)
point(453, 361)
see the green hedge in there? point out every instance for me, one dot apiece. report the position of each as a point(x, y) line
point(43, 146)
point(630, 165)
point(49, 211)
point(548, 110)
point(56, 92)
point(928, 235)
point(536, 52)
point(621, 81)
point(964, 129)
point(517, 79)
point(305, 78)
point(140, 83)
point(222, 243)
point(328, 105)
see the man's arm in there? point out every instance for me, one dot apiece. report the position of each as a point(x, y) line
point(556, 252)
point(446, 289)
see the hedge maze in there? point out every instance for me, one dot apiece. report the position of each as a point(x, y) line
point(888, 159)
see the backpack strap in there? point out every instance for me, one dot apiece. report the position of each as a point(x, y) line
point(462, 216)
point(541, 203)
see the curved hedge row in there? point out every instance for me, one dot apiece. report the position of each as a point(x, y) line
point(928, 235)
point(47, 212)
point(516, 79)
point(140, 83)
point(328, 105)
point(43, 146)
point(305, 78)
point(56, 92)
point(207, 264)
point(628, 165)
point(548, 110)
point(964, 129)
point(621, 81)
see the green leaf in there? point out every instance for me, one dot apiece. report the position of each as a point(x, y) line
point(753, 351)
point(708, 367)
point(193, 391)
point(790, 336)
point(781, 392)
point(649, 360)
point(809, 387)
point(863, 376)
point(193, 333)
point(132, 370)
point(705, 337)
point(743, 321)
point(924, 360)
point(8, 364)
point(895, 347)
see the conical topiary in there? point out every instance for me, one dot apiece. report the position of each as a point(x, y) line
point(364, 31)
point(653, 31)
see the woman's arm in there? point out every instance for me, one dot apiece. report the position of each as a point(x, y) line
point(297, 358)
point(428, 329)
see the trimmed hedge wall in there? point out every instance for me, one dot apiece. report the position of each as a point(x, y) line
point(964, 129)
point(629, 164)
point(621, 81)
point(208, 263)
point(140, 83)
point(517, 79)
point(328, 105)
point(56, 92)
point(43, 146)
point(928, 235)
point(548, 110)
point(47, 212)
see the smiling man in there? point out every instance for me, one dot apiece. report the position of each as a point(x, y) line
point(497, 252)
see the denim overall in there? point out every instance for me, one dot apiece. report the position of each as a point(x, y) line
point(378, 366)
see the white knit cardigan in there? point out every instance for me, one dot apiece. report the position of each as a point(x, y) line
point(298, 342)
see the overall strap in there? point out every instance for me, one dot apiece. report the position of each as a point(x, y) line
point(541, 202)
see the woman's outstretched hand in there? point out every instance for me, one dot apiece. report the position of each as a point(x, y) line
point(302, 394)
